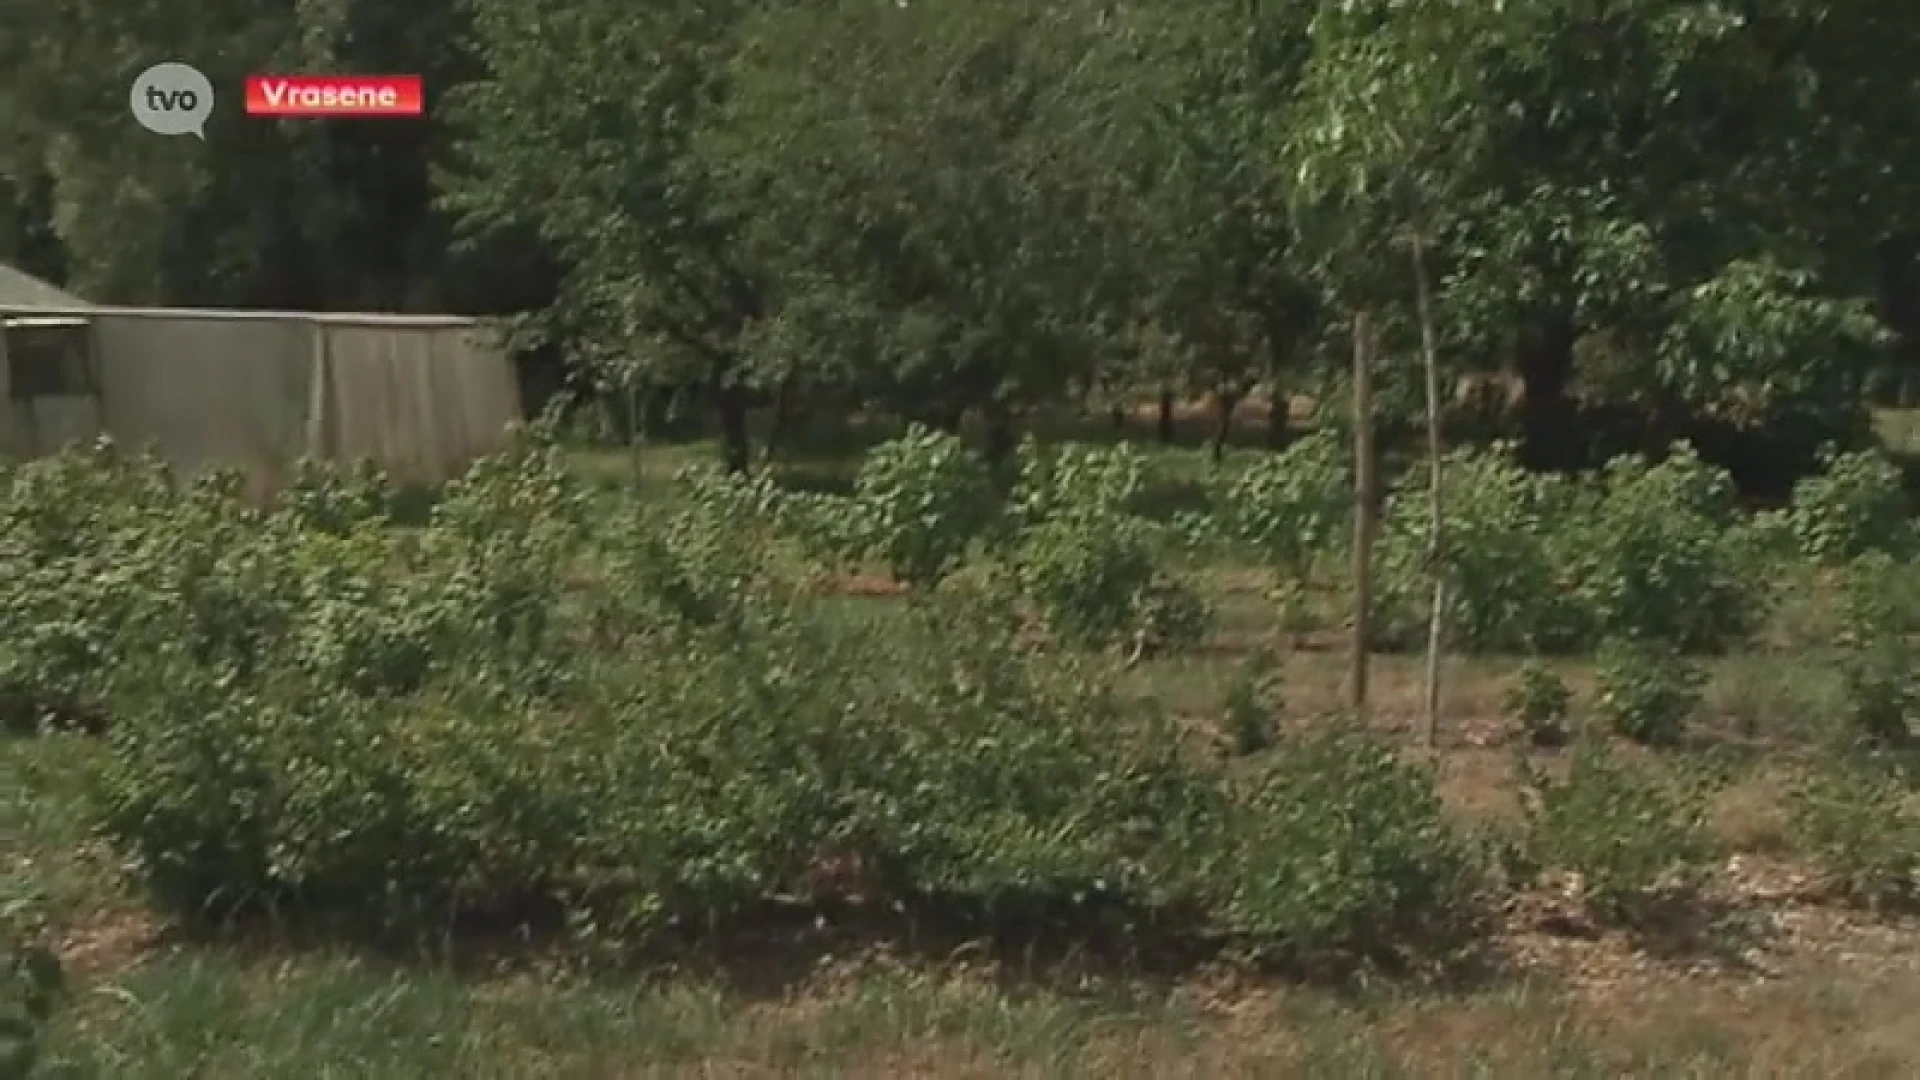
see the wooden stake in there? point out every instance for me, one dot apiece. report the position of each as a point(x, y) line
point(1436, 616)
point(1365, 503)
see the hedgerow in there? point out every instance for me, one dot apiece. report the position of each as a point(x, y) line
point(1644, 551)
point(642, 715)
point(640, 712)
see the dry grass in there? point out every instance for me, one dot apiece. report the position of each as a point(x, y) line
point(1836, 1002)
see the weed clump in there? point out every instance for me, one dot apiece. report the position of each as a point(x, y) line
point(1633, 842)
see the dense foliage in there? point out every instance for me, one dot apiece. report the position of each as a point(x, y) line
point(1673, 242)
point(31, 976)
point(640, 713)
point(1653, 219)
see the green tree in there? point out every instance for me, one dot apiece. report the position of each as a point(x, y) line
point(1577, 212)
point(580, 130)
point(1631, 224)
point(926, 183)
point(1225, 279)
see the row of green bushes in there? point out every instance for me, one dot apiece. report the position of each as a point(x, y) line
point(639, 717)
point(1656, 552)
point(642, 714)
point(1643, 565)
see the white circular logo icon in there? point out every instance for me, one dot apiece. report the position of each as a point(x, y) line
point(172, 99)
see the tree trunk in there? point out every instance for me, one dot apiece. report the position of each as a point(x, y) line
point(657, 418)
point(1225, 404)
point(1900, 309)
point(998, 439)
point(1279, 420)
point(1164, 430)
point(736, 446)
point(1365, 502)
point(1549, 439)
point(1117, 415)
point(785, 404)
point(1436, 615)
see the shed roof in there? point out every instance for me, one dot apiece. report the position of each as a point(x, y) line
point(324, 318)
point(19, 289)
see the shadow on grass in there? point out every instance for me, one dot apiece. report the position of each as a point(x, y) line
point(773, 950)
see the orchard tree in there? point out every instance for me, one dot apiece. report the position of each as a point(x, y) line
point(1609, 181)
point(28, 241)
point(1227, 281)
point(581, 130)
point(930, 189)
point(1384, 146)
point(1649, 166)
point(1665, 182)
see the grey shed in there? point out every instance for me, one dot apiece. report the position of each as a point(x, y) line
point(421, 396)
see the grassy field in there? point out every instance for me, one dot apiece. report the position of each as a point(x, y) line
point(1769, 975)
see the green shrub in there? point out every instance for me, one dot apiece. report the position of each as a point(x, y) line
point(1767, 539)
point(1877, 615)
point(751, 500)
point(74, 561)
point(1656, 552)
point(721, 741)
point(635, 717)
point(697, 562)
point(1006, 784)
point(1632, 840)
point(1174, 613)
point(395, 811)
point(1254, 701)
point(1073, 478)
point(323, 497)
point(1647, 692)
point(1343, 845)
point(1285, 509)
point(1880, 594)
point(1503, 576)
point(922, 501)
point(271, 666)
point(1882, 692)
point(1658, 557)
point(1093, 570)
point(507, 532)
point(700, 763)
point(1095, 576)
point(1858, 823)
point(1857, 503)
point(1538, 702)
point(31, 978)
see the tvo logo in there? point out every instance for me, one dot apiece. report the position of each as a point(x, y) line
point(172, 99)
